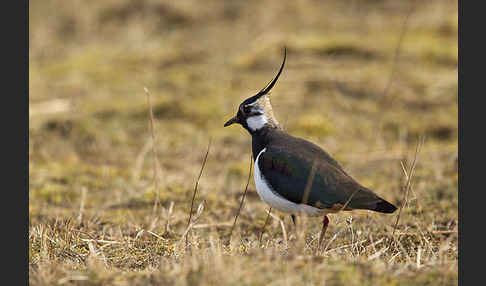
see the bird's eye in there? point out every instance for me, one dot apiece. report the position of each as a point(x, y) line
point(246, 109)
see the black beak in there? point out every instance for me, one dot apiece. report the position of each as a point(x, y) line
point(231, 121)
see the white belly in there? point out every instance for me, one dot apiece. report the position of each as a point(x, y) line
point(276, 201)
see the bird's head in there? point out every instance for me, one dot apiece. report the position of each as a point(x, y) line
point(255, 112)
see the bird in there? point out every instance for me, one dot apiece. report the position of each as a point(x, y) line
point(294, 175)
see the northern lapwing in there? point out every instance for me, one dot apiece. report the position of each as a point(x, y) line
point(294, 175)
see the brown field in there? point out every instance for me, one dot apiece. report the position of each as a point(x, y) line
point(363, 80)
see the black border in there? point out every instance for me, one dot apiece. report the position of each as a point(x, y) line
point(14, 123)
point(15, 141)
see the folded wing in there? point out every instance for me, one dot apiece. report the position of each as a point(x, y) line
point(288, 172)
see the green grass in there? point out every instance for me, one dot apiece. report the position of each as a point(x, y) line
point(92, 192)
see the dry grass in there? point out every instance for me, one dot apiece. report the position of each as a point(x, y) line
point(96, 215)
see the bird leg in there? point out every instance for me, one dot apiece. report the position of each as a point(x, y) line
point(294, 227)
point(325, 223)
point(293, 220)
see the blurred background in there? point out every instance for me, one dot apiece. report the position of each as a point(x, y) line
point(363, 80)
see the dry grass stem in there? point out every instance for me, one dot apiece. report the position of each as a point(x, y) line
point(84, 190)
point(199, 211)
point(409, 177)
point(169, 216)
point(349, 199)
point(282, 226)
point(242, 198)
point(137, 169)
point(196, 185)
point(264, 225)
point(332, 239)
point(310, 180)
point(210, 225)
point(154, 153)
point(397, 49)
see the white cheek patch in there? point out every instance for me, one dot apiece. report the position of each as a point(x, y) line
point(256, 122)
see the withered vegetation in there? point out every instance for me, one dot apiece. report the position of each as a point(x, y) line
point(98, 217)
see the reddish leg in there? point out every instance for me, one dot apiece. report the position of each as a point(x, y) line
point(325, 223)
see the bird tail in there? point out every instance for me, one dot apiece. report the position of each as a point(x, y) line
point(368, 200)
point(384, 207)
